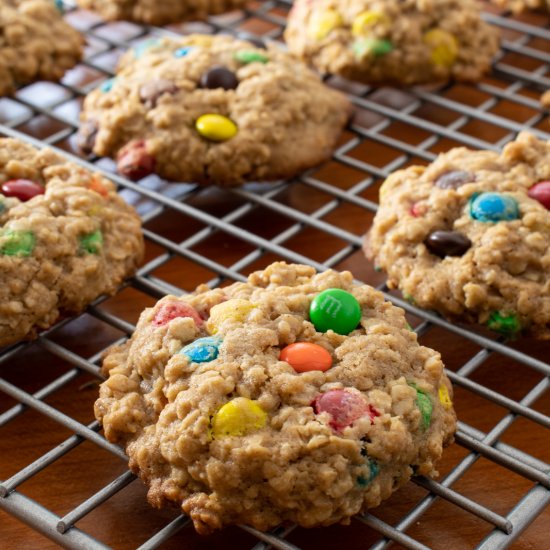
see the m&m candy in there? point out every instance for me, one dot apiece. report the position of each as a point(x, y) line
point(366, 21)
point(16, 243)
point(107, 85)
point(91, 243)
point(454, 179)
point(374, 470)
point(447, 243)
point(219, 77)
point(22, 189)
point(505, 323)
point(202, 350)
point(250, 56)
point(541, 192)
point(237, 418)
point(322, 23)
point(305, 356)
point(371, 46)
point(171, 310)
point(444, 397)
point(444, 47)
point(493, 207)
point(216, 127)
point(344, 407)
point(425, 406)
point(335, 309)
point(182, 52)
point(235, 310)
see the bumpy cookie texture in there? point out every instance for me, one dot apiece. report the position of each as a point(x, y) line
point(469, 236)
point(66, 237)
point(396, 41)
point(222, 414)
point(213, 109)
point(518, 6)
point(154, 12)
point(35, 43)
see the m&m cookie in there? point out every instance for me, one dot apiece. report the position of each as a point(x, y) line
point(291, 397)
point(36, 43)
point(154, 12)
point(213, 110)
point(66, 237)
point(469, 236)
point(393, 42)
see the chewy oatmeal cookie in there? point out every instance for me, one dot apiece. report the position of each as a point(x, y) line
point(517, 6)
point(393, 42)
point(291, 397)
point(469, 236)
point(35, 43)
point(66, 237)
point(213, 109)
point(160, 12)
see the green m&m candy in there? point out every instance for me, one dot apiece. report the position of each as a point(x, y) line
point(424, 404)
point(335, 309)
point(250, 56)
point(505, 323)
point(16, 243)
point(91, 243)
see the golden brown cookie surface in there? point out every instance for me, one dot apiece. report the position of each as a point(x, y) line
point(294, 396)
point(66, 237)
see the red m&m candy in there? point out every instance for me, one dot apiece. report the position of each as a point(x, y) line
point(305, 356)
point(344, 407)
point(541, 192)
point(21, 189)
point(171, 310)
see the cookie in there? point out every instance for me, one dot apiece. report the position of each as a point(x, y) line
point(213, 109)
point(518, 6)
point(35, 43)
point(400, 42)
point(154, 12)
point(469, 236)
point(294, 396)
point(66, 237)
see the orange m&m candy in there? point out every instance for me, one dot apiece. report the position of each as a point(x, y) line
point(304, 356)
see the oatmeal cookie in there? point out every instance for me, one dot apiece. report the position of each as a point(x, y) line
point(35, 43)
point(294, 396)
point(469, 236)
point(517, 6)
point(213, 109)
point(165, 12)
point(393, 42)
point(66, 237)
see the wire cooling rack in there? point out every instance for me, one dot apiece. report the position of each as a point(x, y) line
point(186, 225)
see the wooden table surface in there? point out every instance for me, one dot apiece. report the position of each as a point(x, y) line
point(126, 521)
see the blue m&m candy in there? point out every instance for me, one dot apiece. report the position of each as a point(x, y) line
point(203, 349)
point(494, 207)
point(182, 52)
point(373, 471)
point(107, 85)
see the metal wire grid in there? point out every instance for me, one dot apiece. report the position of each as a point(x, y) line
point(516, 82)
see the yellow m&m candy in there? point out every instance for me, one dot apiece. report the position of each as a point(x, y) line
point(322, 23)
point(366, 20)
point(444, 47)
point(216, 127)
point(238, 417)
point(444, 397)
point(235, 310)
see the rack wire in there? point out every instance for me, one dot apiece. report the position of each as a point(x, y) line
point(391, 129)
